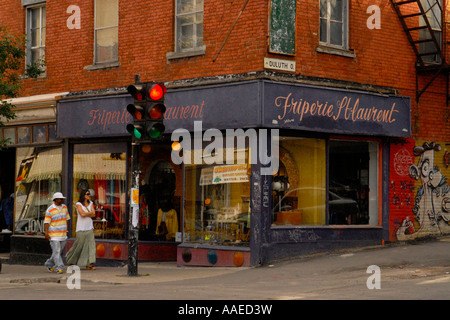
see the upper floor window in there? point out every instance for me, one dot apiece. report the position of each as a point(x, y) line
point(106, 31)
point(334, 23)
point(428, 48)
point(189, 25)
point(36, 27)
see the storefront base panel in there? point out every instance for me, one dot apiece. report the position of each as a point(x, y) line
point(292, 242)
point(29, 250)
point(213, 256)
point(35, 250)
point(5, 242)
point(147, 251)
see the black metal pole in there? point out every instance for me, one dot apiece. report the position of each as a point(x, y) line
point(134, 214)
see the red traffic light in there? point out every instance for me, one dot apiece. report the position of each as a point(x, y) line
point(156, 111)
point(157, 91)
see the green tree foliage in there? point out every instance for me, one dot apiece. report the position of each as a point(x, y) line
point(11, 57)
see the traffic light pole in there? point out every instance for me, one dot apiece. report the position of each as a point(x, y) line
point(133, 220)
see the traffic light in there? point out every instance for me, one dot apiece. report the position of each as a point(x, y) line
point(137, 110)
point(147, 111)
point(155, 110)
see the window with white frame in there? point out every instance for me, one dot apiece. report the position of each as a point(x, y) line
point(189, 25)
point(36, 30)
point(106, 31)
point(334, 23)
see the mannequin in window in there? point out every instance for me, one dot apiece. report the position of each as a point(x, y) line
point(167, 221)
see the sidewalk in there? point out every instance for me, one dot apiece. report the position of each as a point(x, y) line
point(401, 253)
point(148, 272)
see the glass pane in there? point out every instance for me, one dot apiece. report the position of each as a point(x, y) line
point(40, 134)
point(336, 33)
point(187, 40)
point(23, 135)
point(35, 37)
point(353, 182)
point(43, 36)
point(299, 187)
point(101, 169)
point(187, 19)
point(323, 30)
point(185, 6)
point(38, 177)
point(323, 8)
point(336, 10)
point(52, 132)
point(10, 134)
point(107, 13)
point(35, 18)
point(199, 38)
point(217, 203)
point(107, 44)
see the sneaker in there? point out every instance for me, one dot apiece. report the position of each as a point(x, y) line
point(59, 271)
point(50, 269)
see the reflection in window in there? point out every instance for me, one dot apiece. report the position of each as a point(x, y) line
point(300, 194)
point(189, 21)
point(353, 173)
point(101, 168)
point(24, 135)
point(217, 203)
point(10, 135)
point(299, 186)
point(52, 132)
point(38, 176)
point(39, 134)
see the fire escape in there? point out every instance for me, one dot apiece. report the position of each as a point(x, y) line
point(423, 22)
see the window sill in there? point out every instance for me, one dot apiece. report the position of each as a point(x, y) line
point(41, 76)
point(102, 66)
point(186, 54)
point(336, 51)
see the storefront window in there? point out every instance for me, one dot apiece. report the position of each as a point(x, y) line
point(38, 176)
point(353, 172)
point(101, 168)
point(300, 193)
point(299, 187)
point(217, 206)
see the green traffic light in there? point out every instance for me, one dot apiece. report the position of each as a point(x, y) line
point(154, 133)
point(137, 134)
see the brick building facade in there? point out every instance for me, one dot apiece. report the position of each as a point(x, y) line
point(354, 50)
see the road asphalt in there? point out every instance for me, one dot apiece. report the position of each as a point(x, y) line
point(418, 269)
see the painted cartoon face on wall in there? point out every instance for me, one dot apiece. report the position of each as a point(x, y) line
point(425, 170)
point(431, 210)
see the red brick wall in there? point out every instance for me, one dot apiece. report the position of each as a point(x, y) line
point(384, 57)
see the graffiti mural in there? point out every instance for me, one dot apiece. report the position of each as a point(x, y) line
point(431, 206)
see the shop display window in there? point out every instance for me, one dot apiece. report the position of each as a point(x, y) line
point(353, 182)
point(305, 193)
point(38, 176)
point(217, 202)
point(299, 186)
point(101, 169)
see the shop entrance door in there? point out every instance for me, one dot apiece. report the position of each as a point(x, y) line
point(159, 200)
